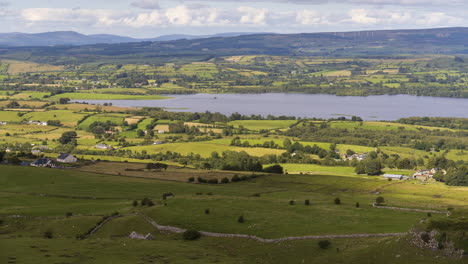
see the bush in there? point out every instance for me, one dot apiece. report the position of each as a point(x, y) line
point(191, 235)
point(337, 200)
point(274, 169)
point(135, 203)
point(291, 202)
point(235, 178)
point(48, 234)
point(307, 202)
point(191, 179)
point(379, 200)
point(224, 180)
point(357, 205)
point(241, 219)
point(213, 181)
point(324, 244)
point(201, 180)
point(69, 214)
point(207, 211)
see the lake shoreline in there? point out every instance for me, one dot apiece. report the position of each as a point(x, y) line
point(372, 108)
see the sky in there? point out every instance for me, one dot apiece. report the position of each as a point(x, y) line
point(152, 18)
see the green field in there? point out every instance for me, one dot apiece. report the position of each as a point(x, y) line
point(263, 124)
point(37, 192)
point(101, 96)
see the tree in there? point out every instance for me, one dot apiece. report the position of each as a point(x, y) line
point(373, 167)
point(357, 205)
point(240, 219)
point(224, 180)
point(379, 200)
point(135, 203)
point(13, 104)
point(337, 200)
point(68, 137)
point(64, 100)
point(274, 169)
point(307, 202)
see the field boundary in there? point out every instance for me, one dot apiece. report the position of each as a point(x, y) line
point(265, 240)
point(409, 209)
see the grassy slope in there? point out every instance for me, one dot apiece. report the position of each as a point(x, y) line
point(269, 215)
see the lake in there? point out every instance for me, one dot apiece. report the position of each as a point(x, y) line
point(378, 107)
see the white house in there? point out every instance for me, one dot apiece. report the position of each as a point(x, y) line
point(3, 123)
point(44, 162)
point(66, 158)
point(35, 152)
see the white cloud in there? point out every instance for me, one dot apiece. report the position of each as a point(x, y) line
point(438, 19)
point(252, 15)
point(310, 17)
point(146, 4)
point(373, 17)
point(179, 15)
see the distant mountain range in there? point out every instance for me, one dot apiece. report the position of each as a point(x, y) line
point(77, 39)
point(373, 44)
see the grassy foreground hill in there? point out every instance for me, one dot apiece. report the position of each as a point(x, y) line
point(43, 210)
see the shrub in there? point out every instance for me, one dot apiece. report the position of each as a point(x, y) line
point(150, 203)
point(324, 244)
point(291, 202)
point(307, 202)
point(224, 180)
point(274, 169)
point(201, 180)
point(191, 179)
point(191, 235)
point(429, 215)
point(135, 203)
point(213, 181)
point(48, 234)
point(68, 214)
point(337, 200)
point(207, 211)
point(379, 200)
point(357, 205)
point(235, 178)
point(241, 219)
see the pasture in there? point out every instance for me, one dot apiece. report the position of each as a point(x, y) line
point(43, 196)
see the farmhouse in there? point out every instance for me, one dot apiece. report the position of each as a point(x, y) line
point(158, 142)
point(66, 158)
point(3, 123)
point(161, 131)
point(103, 146)
point(44, 162)
point(355, 156)
point(135, 235)
point(425, 175)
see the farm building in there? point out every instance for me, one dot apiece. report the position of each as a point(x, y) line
point(38, 123)
point(158, 142)
point(425, 175)
point(44, 162)
point(3, 123)
point(135, 235)
point(395, 177)
point(103, 146)
point(66, 158)
point(161, 131)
